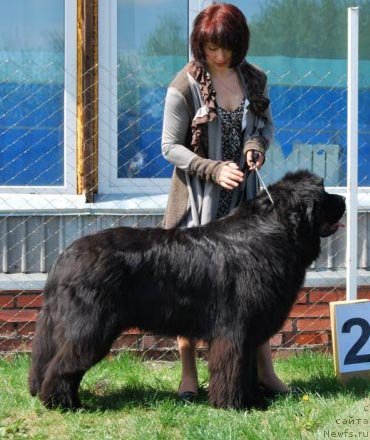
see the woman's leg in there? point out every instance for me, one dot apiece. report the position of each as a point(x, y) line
point(266, 372)
point(189, 376)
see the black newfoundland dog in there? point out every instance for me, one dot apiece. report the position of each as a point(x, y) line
point(231, 282)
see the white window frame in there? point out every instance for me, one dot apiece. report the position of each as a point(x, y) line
point(108, 117)
point(70, 112)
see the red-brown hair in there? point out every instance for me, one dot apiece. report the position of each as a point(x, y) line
point(224, 25)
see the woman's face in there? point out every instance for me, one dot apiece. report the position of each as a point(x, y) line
point(217, 57)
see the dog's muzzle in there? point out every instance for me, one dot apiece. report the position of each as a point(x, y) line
point(334, 208)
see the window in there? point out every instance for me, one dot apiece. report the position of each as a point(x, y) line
point(37, 95)
point(306, 61)
point(142, 46)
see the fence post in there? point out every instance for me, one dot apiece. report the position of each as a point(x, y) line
point(352, 153)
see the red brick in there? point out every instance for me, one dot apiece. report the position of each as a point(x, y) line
point(127, 341)
point(364, 293)
point(326, 297)
point(288, 326)
point(306, 338)
point(26, 329)
point(31, 301)
point(15, 344)
point(309, 310)
point(9, 344)
point(276, 340)
point(18, 315)
point(313, 324)
point(153, 342)
point(302, 297)
point(6, 328)
point(6, 301)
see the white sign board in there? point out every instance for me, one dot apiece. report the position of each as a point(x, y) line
point(352, 334)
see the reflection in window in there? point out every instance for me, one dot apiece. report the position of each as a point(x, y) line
point(306, 60)
point(31, 92)
point(307, 79)
point(152, 48)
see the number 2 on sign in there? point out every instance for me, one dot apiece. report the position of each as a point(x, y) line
point(352, 356)
point(351, 335)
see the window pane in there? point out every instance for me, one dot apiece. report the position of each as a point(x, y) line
point(306, 61)
point(31, 92)
point(152, 47)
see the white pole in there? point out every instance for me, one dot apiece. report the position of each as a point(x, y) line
point(352, 153)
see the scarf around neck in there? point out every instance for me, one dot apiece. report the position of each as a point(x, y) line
point(255, 81)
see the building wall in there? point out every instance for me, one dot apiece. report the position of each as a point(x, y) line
point(308, 325)
point(30, 243)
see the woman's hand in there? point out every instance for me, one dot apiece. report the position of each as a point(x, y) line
point(230, 176)
point(254, 159)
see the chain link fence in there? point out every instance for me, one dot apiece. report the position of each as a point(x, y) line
point(35, 227)
point(41, 212)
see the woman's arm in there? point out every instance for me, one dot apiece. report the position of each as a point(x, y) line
point(176, 123)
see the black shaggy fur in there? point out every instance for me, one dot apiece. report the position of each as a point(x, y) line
point(231, 282)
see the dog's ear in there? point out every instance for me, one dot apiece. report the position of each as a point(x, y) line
point(304, 219)
point(313, 214)
point(310, 213)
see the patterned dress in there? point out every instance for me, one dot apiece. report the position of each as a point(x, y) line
point(231, 123)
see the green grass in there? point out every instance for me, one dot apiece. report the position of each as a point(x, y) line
point(130, 399)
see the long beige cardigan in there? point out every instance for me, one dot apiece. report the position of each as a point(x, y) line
point(194, 195)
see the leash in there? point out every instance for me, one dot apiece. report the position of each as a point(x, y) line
point(254, 160)
point(264, 185)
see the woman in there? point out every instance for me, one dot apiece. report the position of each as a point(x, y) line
point(217, 122)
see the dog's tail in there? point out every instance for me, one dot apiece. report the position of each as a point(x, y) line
point(43, 350)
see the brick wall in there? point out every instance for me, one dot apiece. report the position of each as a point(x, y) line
point(308, 324)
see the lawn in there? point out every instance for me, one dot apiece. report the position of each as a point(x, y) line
point(127, 398)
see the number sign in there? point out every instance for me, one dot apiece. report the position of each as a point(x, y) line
point(351, 335)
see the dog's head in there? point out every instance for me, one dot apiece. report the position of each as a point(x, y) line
point(302, 196)
point(332, 208)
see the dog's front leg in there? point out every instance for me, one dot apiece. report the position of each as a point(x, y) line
point(233, 374)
